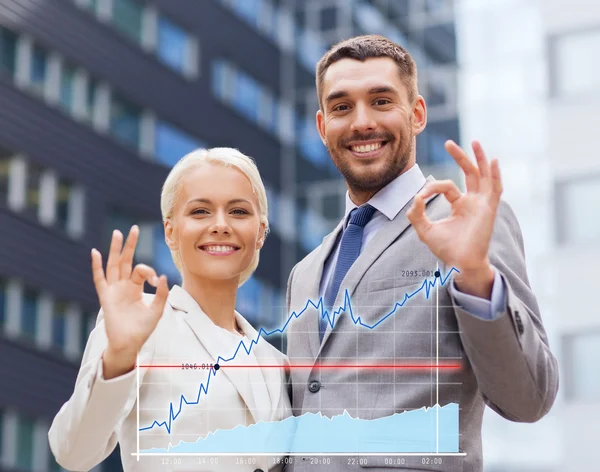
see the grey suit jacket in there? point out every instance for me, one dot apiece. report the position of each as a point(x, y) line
point(506, 363)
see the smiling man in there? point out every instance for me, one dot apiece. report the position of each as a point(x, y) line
point(398, 230)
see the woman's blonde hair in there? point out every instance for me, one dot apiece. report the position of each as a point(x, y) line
point(227, 157)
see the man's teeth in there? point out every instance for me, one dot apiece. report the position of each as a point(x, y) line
point(366, 148)
point(218, 248)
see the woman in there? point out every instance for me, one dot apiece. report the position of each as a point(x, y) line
point(214, 210)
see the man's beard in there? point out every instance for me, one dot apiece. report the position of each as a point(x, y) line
point(373, 181)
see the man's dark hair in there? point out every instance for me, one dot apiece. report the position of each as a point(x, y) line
point(365, 47)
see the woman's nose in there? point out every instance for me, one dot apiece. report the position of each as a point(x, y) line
point(220, 224)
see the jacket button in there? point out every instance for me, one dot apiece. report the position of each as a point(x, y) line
point(314, 386)
point(519, 322)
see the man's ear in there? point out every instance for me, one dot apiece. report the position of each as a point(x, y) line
point(320, 119)
point(419, 115)
point(170, 234)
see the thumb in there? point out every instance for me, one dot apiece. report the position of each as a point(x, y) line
point(160, 299)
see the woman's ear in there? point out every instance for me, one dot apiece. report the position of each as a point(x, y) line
point(170, 234)
point(261, 236)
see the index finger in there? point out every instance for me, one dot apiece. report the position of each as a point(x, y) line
point(469, 168)
point(98, 274)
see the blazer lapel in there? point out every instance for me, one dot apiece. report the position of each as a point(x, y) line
point(313, 276)
point(204, 329)
point(267, 361)
point(380, 242)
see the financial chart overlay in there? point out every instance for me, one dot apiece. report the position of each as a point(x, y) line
point(432, 430)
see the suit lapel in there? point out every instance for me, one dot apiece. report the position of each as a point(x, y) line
point(309, 324)
point(205, 331)
point(380, 242)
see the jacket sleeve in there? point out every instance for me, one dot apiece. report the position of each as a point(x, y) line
point(84, 431)
point(510, 355)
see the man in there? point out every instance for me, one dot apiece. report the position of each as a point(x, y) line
point(481, 312)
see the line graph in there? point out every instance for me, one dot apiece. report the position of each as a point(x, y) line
point(427, 286)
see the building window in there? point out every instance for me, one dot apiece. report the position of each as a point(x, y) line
point(33, 197)
point(574, 223)
point(174, 46)
point(90, 98)
point(29, 314)
point(311, 145)
point(256, 102)
point(63, 200)
point(8, 51)
point(39, 67)
point(5, 162)
point(171, 144)
point(25, 443)
point(127, 18)
point(581, 353)
point(88, 322)
point(573, 71)
point(3, 284)
point(125, 122)
point(67, 88)
point(59, 325)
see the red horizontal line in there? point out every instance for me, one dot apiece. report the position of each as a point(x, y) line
point(315, 366)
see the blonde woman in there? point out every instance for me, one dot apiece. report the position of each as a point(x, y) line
point(214, 210)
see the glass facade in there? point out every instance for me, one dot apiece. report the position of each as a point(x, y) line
point(171, 144)
point(29, 313)
point(59, 325)
point(582, 354)
point(8, 51)
point(67, 87)
point(173, 46)
point(125, 119)
point(575, 73)
point(25, 443)
point(39, 64)
point(573, 219)
point(127, 18)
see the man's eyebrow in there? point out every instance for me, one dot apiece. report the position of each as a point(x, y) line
point(383, 89)
point(374, 90)
point(336, 95)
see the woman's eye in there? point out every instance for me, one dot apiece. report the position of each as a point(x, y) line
point(199, 211)
point(239, 211)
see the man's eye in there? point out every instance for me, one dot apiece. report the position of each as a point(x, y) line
point(341, 108)
point(382, 101)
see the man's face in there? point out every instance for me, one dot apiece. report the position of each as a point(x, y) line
point(368, 123)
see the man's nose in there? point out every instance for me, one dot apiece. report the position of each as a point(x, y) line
point(364, 119)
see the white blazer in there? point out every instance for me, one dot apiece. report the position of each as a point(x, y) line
point(101, 412)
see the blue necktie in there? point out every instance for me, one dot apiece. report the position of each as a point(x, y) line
point(348, 253)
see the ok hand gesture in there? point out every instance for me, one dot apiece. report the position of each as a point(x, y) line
point(129, 320)
point(463, 238)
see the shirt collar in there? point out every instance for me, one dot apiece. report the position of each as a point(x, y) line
point(395, 195)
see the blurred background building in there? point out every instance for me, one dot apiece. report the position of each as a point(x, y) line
point(530, 91)
point(99, 99)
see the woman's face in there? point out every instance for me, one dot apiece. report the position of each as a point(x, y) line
point(215, 225)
